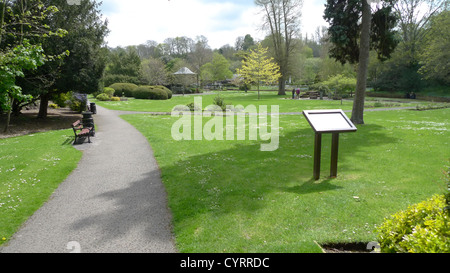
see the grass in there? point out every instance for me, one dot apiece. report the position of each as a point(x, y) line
point(285, 104)
point(228, 196)
point(31, 168)
point(234, 98)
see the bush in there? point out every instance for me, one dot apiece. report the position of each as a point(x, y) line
point(337, 87)
point(152, 93)
point(124, 89)
point(220, 101)
point(115, 99)
point(194, 107)
point(103, 97)
point(54, 106)
point(422, 228)
point(78, 102)
point(109, 91)
point(61, 99)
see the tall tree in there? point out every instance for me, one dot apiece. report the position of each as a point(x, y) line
point(353, 31)
point(217, 70)
point(282, 18)
point(12, 64)
point(22, 29)
point(414, 16)
point(436, 52)
point(258, 68)
point(124, 65)
point(82, 70)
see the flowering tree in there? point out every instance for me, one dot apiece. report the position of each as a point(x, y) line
point(257, 68)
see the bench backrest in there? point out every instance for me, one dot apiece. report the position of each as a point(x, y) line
point(76, 123)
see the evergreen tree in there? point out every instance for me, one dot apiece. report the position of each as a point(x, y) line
point(353, 31)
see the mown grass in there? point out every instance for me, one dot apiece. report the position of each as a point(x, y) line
point(233, 98)
point(285, 103)
point(31, 168)
point(228, 196)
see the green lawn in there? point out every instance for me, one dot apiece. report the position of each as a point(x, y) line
point(228, 196)
point(31, 168)
point(233, 98)
point(285, 104)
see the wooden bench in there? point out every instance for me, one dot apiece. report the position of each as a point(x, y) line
point(81, 132)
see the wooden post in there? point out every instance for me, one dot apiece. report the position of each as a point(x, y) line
point(334, 154)
point(317, 155)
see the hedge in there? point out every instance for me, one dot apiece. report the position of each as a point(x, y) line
point(124, 89)
point(152, 93)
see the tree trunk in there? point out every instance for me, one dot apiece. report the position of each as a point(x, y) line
point(43, 106)
point(281, 86)
point(364, 48)
point(8, 118)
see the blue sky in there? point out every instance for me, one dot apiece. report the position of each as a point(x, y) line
point(133, 22)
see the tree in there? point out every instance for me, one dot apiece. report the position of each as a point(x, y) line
point(282, 18)
point(436, 54)
point(12, 64)
point(23, 27)
point(414, 16)
point(82, 70)
point(401, 72)
point(154, 71)
point(124, 65)
point(257, 68)
point(352, 40)
point(217, 70)
point(244, 43)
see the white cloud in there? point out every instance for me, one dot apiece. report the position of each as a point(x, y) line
point(133, 22)
point(312, 16)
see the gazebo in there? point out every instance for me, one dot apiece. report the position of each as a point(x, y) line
point(184, 71)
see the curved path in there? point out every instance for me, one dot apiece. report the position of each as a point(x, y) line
point(114, 202)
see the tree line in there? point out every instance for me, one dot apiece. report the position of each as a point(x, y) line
point(48, 48)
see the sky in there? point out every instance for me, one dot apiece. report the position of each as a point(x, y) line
point(133, 22)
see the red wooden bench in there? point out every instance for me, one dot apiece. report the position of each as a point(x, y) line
point(81, 132)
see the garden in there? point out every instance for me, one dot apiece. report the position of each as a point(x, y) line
point(228, 196)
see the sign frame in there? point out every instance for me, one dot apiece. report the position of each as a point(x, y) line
point(345, 125)
point(328, 122)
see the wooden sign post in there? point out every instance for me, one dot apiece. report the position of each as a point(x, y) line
point(332, 122)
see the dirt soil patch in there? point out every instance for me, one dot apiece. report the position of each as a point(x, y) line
point(28, 123)
point(347, 248)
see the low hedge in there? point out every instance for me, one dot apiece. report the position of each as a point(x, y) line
point(124, 89)
point(152, 93)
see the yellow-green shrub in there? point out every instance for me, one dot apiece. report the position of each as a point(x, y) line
point(103, 97)
point(422, 228)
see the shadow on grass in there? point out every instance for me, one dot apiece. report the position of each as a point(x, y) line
point(235, 179)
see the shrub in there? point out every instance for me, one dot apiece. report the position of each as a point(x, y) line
point(151, 93)
point(115, 99)
point(220, 101)
point(422, 228)
point(194, 107)
point(54, 106)
point(61, 99)
point(78, 102)
point(124, 89)
point(103, 97)
point(109, 91)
